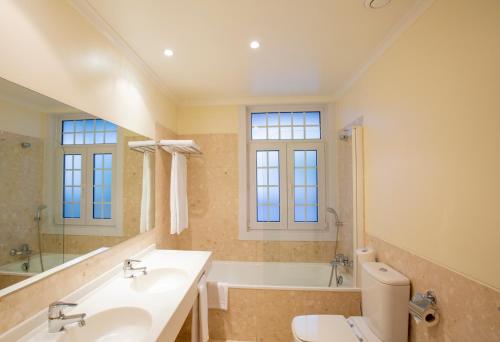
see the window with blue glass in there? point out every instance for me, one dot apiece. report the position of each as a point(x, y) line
point(287, 178)
point(72, 185)
point(102, 185)
point(268, 186)
point(88, 132)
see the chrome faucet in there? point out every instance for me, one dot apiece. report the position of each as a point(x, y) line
point(339, 260)
point(129, 269)
point(24, 250)
point(58, 320)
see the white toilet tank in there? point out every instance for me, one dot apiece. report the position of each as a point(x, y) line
point(385, 295)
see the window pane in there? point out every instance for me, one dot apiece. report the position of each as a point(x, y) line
point(311, 177)
point(274, 178)
point(313, 132)
point(97, 213)
point(274, 195)
point(79, 126)
point(286, 133)
point(312, 195)
point(99, 138)
point(261, 213)
point(98, 161)
point(106, 214)
point(258, 119)
point(89, 131)
point(89, 125)
point(71, 185)
point(98, 194)
point(299, 177)
point(272, 119)
point(262, 177)
point(76, 210)
point(298, 119)
point(77, 161)
point(77, 192)
point(68, 126)
point(109, 126)
point(285, 119)
point(299, 158)
point(298, 132)
point(286, 125)
point(311, 214)
point(68, 161)
point(68, 194)
point(300, 195)
point(77, 177)
point(258, 133)
point(311, 158)
point(98, 179)
point(107, 161)
point(68, 178)
point(102, 180)
point(89, 138)
point(68, 139)
point(262, 195)
point(99, 125)
point(261, 158)
point(273, 158)
point(107, 193)
point(79, 138)
point(273, 133)
point(110, 138)
point(274, 213)
point(312, 118)
point(300, 213)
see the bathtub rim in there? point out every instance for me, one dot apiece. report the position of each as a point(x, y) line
point(293, 288)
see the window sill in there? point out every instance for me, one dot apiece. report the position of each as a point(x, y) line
point(84, 230)
point(287, 235)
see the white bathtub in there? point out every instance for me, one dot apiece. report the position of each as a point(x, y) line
point(50, 260)
point(276, 275)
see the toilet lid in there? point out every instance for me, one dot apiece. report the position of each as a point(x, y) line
point(323, 328)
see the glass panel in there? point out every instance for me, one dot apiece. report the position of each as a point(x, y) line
point(273, 158)
point(285, 119)
point(110, 138)
point(98, 161)
point(286, 133)
point(68, 177)
point(68, 161)
point(313, 132)
point(79, 126)
point(312, 214)
point(300, 195)
point(272, 119)
point(106, 211)
point(102, 181)
point(97, 211)
point(107, 161)
point(79, 138)
point(71, 185)
point(311, 158)
point(299, 177)
point(274, 195)
point(68, 139)
point(312, 118)
point(286, 125)
point(311, 178)
point(274, 213)
point(298, 119)
point(68, 194)
point(89, 125)
point(261, 213)
point(300, 213)
point(312, 196)
point(99, 125)
point(90, 131)
point(299, 158)
point(261, 158)
point(261, 195)
point(298, 132)
point(107, 194)
point(77, 160)
point(273, 133)
point(262, 177)
point(274, 177)
point(99, 138)
point(68, 126)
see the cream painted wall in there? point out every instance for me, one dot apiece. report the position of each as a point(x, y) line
point(21, 120)
point(432, 116)
point(49, 47)
point(207, 119)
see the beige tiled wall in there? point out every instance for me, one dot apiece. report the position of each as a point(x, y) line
point(468, 310)
point(213, 209)
point(266, 315)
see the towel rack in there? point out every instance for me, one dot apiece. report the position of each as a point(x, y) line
point(142, 146)
point(182, 146)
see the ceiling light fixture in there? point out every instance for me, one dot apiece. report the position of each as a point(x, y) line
point(254, 44)
point(168, 52)
point(376, 4)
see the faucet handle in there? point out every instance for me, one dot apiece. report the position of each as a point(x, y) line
point(129, 262)
point(56, 308)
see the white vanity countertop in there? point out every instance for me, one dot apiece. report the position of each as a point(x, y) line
point(168, 308)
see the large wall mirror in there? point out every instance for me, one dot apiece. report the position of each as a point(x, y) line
point(69, 184)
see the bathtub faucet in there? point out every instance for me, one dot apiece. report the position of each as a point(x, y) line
point(339, 260)
point(24, 250)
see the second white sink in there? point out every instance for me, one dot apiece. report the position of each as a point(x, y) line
point(160, 280)
point(120, 324)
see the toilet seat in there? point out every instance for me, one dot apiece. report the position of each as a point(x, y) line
point(331, 328)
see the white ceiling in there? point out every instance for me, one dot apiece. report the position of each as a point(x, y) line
point(308, 47)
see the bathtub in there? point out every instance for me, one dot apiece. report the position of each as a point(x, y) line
point(276, 275)
point(50, 260)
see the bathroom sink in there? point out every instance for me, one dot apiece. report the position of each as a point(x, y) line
point(120, 324)
point(160, 280)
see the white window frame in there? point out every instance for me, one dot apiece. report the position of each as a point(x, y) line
point(249, 229)
point(86, 224)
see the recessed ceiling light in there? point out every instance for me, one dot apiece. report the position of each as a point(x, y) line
point(255, 44)
point(168, 52)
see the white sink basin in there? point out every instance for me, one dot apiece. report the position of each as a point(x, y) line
point(120, 324)
point(160, 280)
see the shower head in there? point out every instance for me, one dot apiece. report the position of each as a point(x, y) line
point(25, 144)
point(330, 210)
point(38, 213)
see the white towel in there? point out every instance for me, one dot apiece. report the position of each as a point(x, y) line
point(217, 295)
point(148, 193)
point(178, 194)
point(199, 313)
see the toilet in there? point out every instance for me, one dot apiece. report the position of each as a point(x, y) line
point(385, 294)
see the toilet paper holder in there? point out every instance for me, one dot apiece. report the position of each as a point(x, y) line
point(423, 308)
